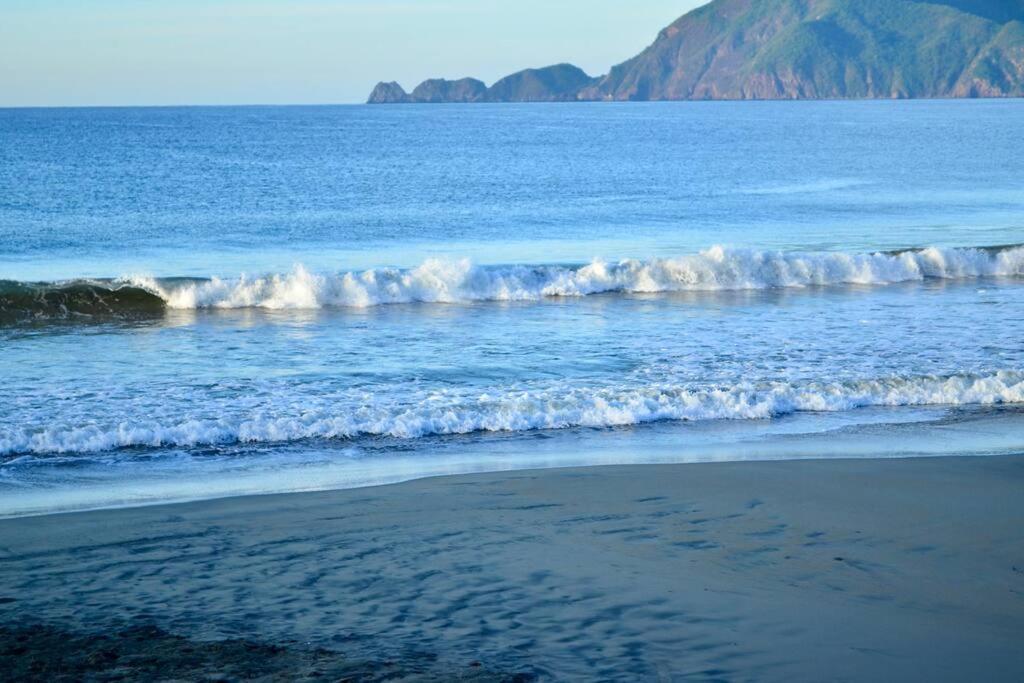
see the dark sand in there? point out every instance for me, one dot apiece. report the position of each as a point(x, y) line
point(147, 653)
point(808, 570)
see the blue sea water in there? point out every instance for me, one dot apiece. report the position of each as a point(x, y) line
point(198, 302)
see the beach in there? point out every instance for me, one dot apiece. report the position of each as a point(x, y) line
point(802, 570)
point(577, 377)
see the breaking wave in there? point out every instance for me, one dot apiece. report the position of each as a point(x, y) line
point(80, 298)
point(444, 413)
point(438, 281)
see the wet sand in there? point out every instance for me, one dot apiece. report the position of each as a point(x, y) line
point(805, 570)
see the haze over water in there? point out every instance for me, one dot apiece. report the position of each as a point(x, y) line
point(246, 300)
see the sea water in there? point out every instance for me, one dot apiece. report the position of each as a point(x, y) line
point(201, 302)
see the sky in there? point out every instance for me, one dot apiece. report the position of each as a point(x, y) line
point(155, 52)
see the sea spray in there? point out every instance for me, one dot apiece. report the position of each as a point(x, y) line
point(439, 281)
point(437, 413)
point(716, 269)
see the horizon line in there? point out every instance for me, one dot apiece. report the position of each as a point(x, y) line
point(407, 105)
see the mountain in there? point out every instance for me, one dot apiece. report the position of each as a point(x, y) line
point(559, 83)
point(439, 90)
point(797, 49)
point(388, 93)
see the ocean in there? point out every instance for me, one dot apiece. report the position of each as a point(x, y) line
point(206, 302)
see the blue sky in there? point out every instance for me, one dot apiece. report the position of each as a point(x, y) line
point(110, 52)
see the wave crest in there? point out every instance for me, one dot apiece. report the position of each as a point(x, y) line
point(29, 301)
point(522, 410)
point(460, 281)
point(716, 269)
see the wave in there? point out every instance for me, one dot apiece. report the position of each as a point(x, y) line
point(460, 281)
point(46, 301)
point(807, 188)
point(520, 411)
point(716, 269)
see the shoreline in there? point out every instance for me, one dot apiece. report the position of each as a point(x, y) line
point(892, 433)
point(745, 570)
point(254, 498)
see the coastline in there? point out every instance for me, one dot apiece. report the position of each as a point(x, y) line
point(737, 571)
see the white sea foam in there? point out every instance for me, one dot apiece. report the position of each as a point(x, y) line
point(446, 413)
point(825, 185)
point(716, 269)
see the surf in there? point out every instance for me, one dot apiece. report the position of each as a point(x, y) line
point(444, 413)
point(438, 281)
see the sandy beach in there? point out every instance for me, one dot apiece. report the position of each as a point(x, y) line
point(678, 340)
point(806, 570)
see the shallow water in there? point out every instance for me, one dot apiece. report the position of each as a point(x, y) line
point(203, 302)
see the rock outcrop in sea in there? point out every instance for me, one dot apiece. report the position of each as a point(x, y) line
point(558, 83)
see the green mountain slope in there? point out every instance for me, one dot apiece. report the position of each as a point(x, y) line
point(558, 83)
point(798, 49)
point(790, 49)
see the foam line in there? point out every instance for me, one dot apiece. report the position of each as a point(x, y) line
point(716, 269)
point(515, 410)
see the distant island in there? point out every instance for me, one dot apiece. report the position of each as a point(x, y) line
point(786, 49)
